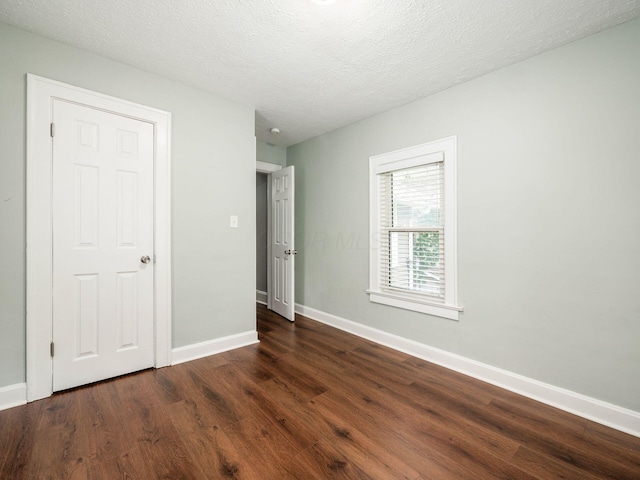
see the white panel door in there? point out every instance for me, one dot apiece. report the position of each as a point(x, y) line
point(102, 233)
point(282, 285)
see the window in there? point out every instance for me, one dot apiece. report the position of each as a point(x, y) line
point(413, 227)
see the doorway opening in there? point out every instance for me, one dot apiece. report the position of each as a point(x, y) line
point(275, 250)
point(262, 240)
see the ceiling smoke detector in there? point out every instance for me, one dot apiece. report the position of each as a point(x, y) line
point(275, 131)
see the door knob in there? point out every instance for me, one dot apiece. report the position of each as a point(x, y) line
point(290, 252)
point(145, 259)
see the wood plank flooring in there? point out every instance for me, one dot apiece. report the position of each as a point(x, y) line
point(308, 402)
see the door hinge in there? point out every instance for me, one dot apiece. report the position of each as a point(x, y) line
point(51, 348)
point(52, 129)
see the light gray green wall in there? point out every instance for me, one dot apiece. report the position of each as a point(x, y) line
point(549, 221)
point(213, 169)
point(277, 155)
point(268, 153)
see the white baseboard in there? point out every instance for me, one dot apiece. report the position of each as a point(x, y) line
point(13, 395)
point(211, 347)
point(622, 419)
point(261, 297)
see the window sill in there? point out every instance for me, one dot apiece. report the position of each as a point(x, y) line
point(417, 305)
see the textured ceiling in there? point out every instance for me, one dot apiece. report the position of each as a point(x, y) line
point(307, 68)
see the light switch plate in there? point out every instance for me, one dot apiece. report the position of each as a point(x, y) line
point(233, 221)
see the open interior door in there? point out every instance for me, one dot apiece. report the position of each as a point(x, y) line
point(281, 265)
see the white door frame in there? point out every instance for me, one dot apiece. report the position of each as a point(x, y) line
point(40, 95)
point(264, 167)
point(268, 168)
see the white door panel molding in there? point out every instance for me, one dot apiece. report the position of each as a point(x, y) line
point(102, 211)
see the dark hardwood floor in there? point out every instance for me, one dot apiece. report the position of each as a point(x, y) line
point(308, 402)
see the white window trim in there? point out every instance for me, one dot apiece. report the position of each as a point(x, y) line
point(40, 93)
point(405, 158)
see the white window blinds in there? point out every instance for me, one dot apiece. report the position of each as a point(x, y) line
point(412, 230)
